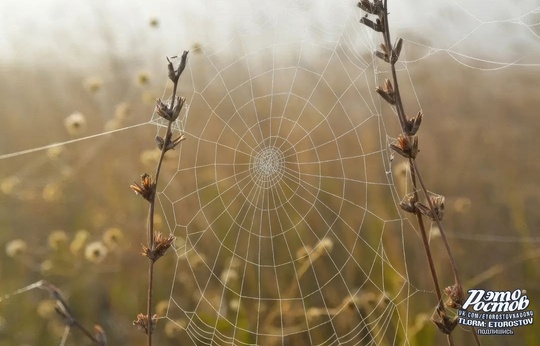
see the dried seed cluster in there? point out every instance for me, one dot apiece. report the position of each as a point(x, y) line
point(147, 188)
point(160, 245)
point(142, 322)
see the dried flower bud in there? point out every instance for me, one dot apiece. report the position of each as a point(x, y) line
point(147, 189)
point(163, 110)
point(408, 204)
point(177, 108)
point(373, 25)
point(382, 56)
point(174, 75)
point(406, 146)
point(183, 62)
point(371, 8)
point(171, 71)
point(160, 245)
point(383, 48)
point(387, 93)
point(456, 296)
point(388, 86)
point(445, 324)
point(386, 96)
point(171, 144)
point(438, 208)
point(397, 50)
point(413, 125)
point(160, 142)
point(142, 322)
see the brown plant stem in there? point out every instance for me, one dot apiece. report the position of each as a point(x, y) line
point(407, 145)
point(174, 75)
point(415, 174)
point(151, 232)
point(149, 301)
point(425, 241)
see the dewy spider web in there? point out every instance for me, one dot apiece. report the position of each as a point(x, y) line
point(281, 201)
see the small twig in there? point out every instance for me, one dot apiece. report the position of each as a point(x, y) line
point(63, 309)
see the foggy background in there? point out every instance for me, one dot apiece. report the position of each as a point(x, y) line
point(79, 32)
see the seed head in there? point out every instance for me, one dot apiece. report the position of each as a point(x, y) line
point(456, 296)
point(16, 248)
point(95, 252)
point(413, 125)
point(93, 84)
point(406, 146)
point(160, 245)
point(445, 324)
point(142, 322)
point(147, 189)
point(143, 78)
point(75, 123)
point(438, 208)
point(112, 237)
point(57, 239)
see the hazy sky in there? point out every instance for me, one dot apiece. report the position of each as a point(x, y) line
point(81, 30)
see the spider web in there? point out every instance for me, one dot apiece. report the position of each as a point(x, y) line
point(286, 166)
point(282, 199)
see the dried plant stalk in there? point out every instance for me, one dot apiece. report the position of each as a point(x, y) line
point(407, 146)
point(157, 243)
